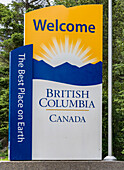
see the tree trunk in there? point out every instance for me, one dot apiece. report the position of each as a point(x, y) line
point(48, 2)
point(27, 4)
point(97, 1)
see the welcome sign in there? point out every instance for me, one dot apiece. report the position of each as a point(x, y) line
point(56, 86)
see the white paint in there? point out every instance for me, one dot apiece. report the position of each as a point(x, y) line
point(64, 140)
point(67, 51)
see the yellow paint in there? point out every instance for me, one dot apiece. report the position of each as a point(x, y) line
point(66, 110)
point(85, 14)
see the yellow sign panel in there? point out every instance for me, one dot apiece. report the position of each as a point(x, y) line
point(60, 34)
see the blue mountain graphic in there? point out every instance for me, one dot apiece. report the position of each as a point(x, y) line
point(90, 74)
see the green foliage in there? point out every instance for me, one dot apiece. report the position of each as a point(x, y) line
point(11, 37)
point(4, 100)
point(4, 155)
point(33, 4)
point(11, 32)
point(118, 110)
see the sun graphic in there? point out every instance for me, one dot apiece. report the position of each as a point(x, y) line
point(60, 52)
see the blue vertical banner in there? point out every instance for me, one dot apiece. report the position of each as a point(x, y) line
point(20, 111)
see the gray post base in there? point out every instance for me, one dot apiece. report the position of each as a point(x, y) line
point(110, 158)
point(62, 165)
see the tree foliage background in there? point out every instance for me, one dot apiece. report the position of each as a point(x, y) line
point(11, 37)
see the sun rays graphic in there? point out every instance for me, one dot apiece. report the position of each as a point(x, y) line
point(60, 52)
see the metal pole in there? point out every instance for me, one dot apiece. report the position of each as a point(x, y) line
point(110, 157)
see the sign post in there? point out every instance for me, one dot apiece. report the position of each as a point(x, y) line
point(110, 157)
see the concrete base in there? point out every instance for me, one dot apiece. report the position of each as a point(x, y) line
point(62, 165)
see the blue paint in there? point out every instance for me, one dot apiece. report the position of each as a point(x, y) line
point(42, 25)
point(20, 150)
point(90, 74)
point(39, 24)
